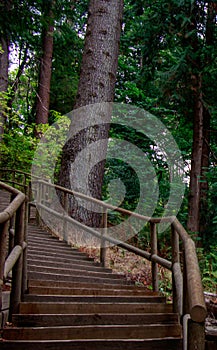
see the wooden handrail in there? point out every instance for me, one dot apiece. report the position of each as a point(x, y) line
point(12, 258)
point(185, 277)
point(15, 261)
point(196, 302)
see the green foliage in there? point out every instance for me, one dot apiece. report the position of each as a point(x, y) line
point(17, 150)
point(208, 265)
point(65, 67)
point(3, 103)
point(48, 154)
point(165, 283)
point(159, 53)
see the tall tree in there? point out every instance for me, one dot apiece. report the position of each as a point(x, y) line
point(204, 184)
point(173, 76)
point(203, 35)
point(4, 63)
point(43, 96)
point(5, 7)
point(96, 84)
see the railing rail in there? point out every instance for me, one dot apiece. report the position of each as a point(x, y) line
point(188, 297)
point(12, 255)
point(193, 300)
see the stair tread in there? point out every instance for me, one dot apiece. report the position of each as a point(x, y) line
point(43, 320)
point(74, 303)
point(93, 331)
point(77, 278)
point(77, 284)
point(68, 308)
point(104, 274)
point(87, 291)
point(61, 251)
point(93, 298)
point(77, 265)
point(96, 344)
point(55, 258)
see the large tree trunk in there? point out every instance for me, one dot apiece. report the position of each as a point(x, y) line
point(4, 63)
point(43, 97)
point(96, 85)
point(100, 56)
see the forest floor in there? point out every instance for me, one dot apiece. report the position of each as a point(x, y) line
point(135, 268)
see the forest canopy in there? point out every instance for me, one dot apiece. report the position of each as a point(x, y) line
point(167, 65)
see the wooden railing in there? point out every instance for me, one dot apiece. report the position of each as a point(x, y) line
point(17, 179)
point(13, 246)
point(188, 297)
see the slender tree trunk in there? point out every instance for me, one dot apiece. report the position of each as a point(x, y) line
point(204, 185)
point(4, 63)
point(196, 160)
point(96, 85)
point(16, 81)
point(204, 217)
point(197, 219)
point(43, 97)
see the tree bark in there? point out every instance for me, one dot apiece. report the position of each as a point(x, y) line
point(96, 85)
point(43, 96)
point(196, 160)
point(100, 56)
point(204, 185)
point(204, 217)
point(198, 206)
point(4, 64)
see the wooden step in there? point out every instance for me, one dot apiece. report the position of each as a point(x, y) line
point(89, 285)
point(93, 332)
point(70, 278)
point(73, 272)
point(57, 255)
point(92, 299)
point(37, 239)
point(38, 320)
point(96, 344)
point(83, 308)
point(73, 303)
point(86, 291)
point(57, 247)
point(57, 251)
point(68, 265)
point(54, 258)
point(49, 242)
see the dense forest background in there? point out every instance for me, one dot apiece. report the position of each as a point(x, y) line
point(167, 65)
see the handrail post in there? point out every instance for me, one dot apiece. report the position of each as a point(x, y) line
point(11, 229)
point(25, 238)
point(13, 178)
point(154, 265)
point(39, 201)
point(36, 199)
point(3, 251)
point(103, 232)
point(16, 290)
point(177, 279)
point(29, 199)
point(196, 335)
point(24, 184)
point(66, 211)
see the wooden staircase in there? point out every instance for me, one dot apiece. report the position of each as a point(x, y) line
point(74, 303)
